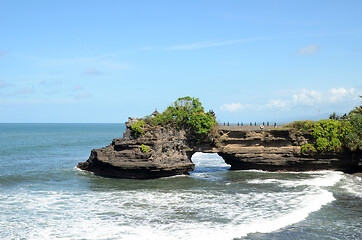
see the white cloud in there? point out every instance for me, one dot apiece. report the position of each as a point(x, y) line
point(307, 97)
point(106, 61)
point(77, 60)
point(52, 92)
point(340, 93)
point(232, 107)
point(278, 103)
point(50, 83)
point(114, 65)
point(333, 99)
point(83, 95)
point(3, 84)
point(78, 88)
point(308, 50)
point(92, 71)
point(199, 45)
point(25, 91)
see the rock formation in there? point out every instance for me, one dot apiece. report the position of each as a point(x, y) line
point(278, 150)
point(166, 155)
point(166, 151)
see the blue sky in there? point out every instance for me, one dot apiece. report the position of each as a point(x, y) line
point(102, 61)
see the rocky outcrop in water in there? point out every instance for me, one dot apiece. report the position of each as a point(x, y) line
point(278, 150)
point(167, 151)
point(160, 152)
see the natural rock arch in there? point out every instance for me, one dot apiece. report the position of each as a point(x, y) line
point(208, 162)
point(167, 151)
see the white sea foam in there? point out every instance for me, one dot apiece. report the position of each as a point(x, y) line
point(146, 214)
point(176, 176)
point(254, 170)
point(152, 213)
point(309, 205)
point(264, 181)
point(326, 179)
point(353, 185)
point(78, 169)
point(320, 179)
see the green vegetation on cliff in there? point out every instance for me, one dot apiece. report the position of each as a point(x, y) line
point(327, 135)
point(331, 135)
point(354, 138)
point(144, 148)
point(137, 128)
point(186, 112)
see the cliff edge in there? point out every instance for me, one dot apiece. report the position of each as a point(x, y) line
point(279, 150)
point(160, 152)
point(167, 151)
point(162, 144)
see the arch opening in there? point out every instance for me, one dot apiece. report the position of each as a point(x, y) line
point(208, 162)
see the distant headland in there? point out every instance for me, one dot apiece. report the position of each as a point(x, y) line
point(162, 144)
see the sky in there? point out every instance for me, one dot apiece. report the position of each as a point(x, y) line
point(104, 61)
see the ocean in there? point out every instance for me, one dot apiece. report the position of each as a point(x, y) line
point(43, 195)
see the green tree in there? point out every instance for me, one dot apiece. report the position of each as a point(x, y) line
point(353, 139)
point(334, 116)
point(329, 134)
point(357, 110)
point(186, 112)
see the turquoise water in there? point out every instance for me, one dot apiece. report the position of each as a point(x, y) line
point(43, 195)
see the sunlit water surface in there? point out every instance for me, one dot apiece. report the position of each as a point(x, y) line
point(43, 196)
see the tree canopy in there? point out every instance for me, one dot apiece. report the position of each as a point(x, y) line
point(186, 112)
point(332, 135)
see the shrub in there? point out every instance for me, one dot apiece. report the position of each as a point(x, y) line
point(353, 142)
point(353, 139)
point(144, 148)
point(356, 110)
point(334, 116)
point(321, 144)
point(329, 134)
point(356, 122)
point(137, 128)
point(302, 127)
point(308, 148)
point(187, 113)
point(334, 145)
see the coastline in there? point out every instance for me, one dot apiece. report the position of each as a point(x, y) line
point(167, 151)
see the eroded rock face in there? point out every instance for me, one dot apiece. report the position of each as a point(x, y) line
point(278, 150)
point(123, 158)
point(170, 150)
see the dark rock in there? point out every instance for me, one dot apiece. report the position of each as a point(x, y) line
point(123, 158)
point(170, 150)
point(279, 150)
